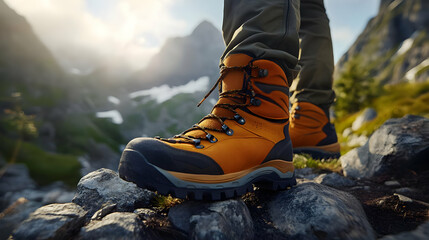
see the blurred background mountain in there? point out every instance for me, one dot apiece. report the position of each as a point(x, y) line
point(385, 71)
point(62, 124)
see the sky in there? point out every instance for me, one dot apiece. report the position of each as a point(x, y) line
point(83, 33)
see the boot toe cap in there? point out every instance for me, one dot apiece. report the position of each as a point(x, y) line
point(169, 158)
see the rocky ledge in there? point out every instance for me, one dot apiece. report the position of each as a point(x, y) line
point(324, 205)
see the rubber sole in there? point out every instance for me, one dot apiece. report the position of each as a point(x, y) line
point(134, 167)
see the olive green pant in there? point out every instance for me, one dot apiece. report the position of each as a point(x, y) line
point(277, 30)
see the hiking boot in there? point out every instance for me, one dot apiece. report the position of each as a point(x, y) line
point(312, 133)
point(243, 141)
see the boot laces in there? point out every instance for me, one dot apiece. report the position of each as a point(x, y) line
point(239, 98)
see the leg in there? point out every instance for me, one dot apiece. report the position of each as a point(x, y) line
point(263, 29)
point(310, 129)
point(314, 83)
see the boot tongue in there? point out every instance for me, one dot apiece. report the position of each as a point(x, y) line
point(233, 81)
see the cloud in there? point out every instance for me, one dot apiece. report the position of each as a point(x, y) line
point(84, 33)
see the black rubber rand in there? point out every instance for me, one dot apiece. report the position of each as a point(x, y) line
point(135, 168)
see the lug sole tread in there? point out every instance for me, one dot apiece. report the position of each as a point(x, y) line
point(133, 165)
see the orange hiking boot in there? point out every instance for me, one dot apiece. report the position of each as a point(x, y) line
point(312, 133)
point(243, 141)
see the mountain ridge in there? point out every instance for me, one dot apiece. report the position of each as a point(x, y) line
point(24, 57)
point(181, 59)
point(398, 22)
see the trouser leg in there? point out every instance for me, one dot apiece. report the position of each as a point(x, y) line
point(265, 29)
point(314, 83)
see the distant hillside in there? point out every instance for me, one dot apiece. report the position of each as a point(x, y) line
point(23, 57)
point(394, 47)
point(45, 120)
point(184, 58)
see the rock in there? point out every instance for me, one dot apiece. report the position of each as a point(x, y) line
point(397, 145)
point(211, 226)
point(357, 140)
point(366, 116)
point(314, 211)
point(403, 198)
point(30, 194)
point(54, 193)
point(347, 132)
point(16, 178)
point(118, 225)
point(305, 173)
point(58, 196)
point(16, 213)
point(421, 233)
point(392, 183)
point(228, 219)
point(406, 190)
point(334, 180)
point(104, 186)
point(145, 213)
point(54, 221)
point(109, 208)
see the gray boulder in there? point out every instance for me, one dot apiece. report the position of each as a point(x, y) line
point(306, 173)
point(145, 213)
point(421, 233)
point(100, 214)
point(314, 211)
point(118, 225)
point(366, 116)
point(54, 193)
point(104, 187)
point(16, 178)
point(54, 221)
point(397, 145)
point(334, 180)
point(16, 213)
point(228, 219)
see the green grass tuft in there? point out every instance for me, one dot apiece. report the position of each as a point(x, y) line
point(395, 102)
point(163, 203)
point(303, 161)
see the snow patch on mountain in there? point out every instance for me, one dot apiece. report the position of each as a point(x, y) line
point(406, 44)
point(114, 115)
point(411, 74)
point(114, 100)
point(164, 92)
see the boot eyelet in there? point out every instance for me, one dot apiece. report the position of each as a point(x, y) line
point(296, 116)
point(197, 143)
point(211, 138)
point(239, 119)
point(263, 73)
point(227, 130)
point(297, 108)
point(255, 102)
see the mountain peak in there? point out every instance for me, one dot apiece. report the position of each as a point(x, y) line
point(394, 45)
point(184, 58)
point(205, 27)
